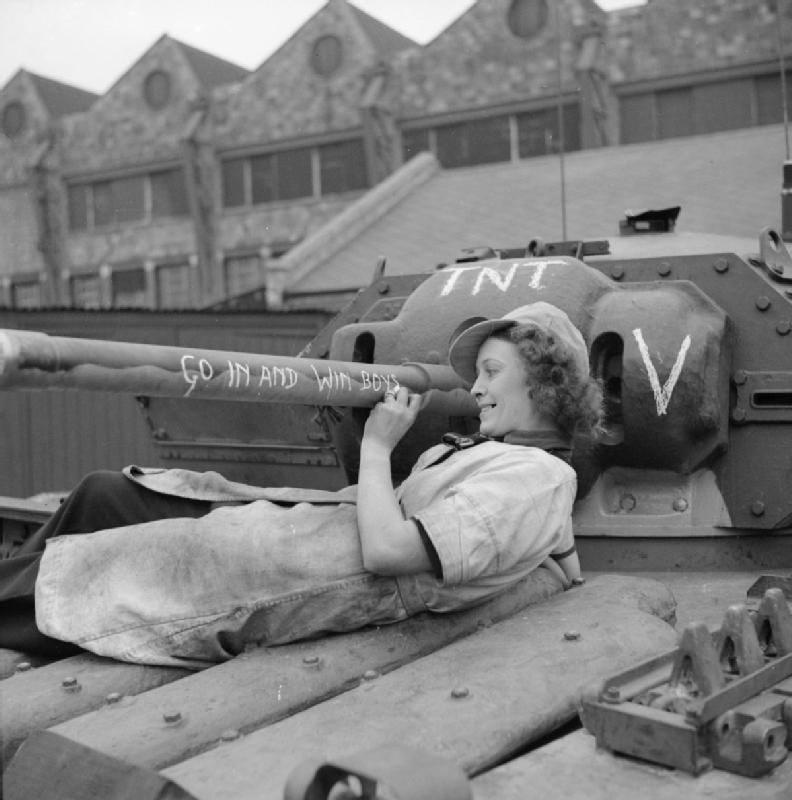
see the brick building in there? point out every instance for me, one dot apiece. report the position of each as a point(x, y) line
point(191, 178)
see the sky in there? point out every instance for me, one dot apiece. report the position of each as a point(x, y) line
point(91, 43)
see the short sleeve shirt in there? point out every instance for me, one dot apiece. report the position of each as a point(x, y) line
point(492, 512)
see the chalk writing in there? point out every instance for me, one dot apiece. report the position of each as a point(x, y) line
point(238, 374)
point(662, 394)
point(333, 380)
point(379, 383)
point(236, 371)
point(191, 375)
point(278, 377)
point(500, 278)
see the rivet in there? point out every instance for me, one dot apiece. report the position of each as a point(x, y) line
point(71, 685)
point(740, 377)
point(113, 697)
point(571, 636)
point(680, 504)
point(721, 265)
point(762, 303)
point(617, 273)
point(757, 508)
point(370, 675)
point(627, 502)
point(739, 415)
point(783, 327)
point(23, 666)
point(230, 735)
point(612, 694)
point(460, 692)
point(664, 268)
point(172, 717)
point(578, 581)
point(383, 287)
point(310, 661)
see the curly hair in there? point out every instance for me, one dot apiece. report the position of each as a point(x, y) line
point(573, 400)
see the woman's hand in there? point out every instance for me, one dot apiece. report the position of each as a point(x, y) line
point(391, 418)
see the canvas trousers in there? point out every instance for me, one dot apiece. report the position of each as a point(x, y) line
point(101, 500)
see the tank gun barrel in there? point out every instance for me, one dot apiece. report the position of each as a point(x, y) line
point(37, 361)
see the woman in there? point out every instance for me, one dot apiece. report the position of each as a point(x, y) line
point(183, 582)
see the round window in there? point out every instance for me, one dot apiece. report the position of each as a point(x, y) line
point(14, 119)
point(327, 54)
point(157, 89)
point(526, 18)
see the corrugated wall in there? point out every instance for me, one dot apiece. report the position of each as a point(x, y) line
point(51, 438)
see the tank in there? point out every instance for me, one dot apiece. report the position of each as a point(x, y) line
point(681, 508)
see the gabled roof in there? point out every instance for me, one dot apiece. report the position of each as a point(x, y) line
point(385, 40)
point(726, 183)
point(210, 70)
point(61, 98)
point(676, 37)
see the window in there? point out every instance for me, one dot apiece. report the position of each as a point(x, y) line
point(414, 142)
point(78, 200)
point(723, 106)
point(168, 194)
point(281, 176)
point(117, 201)
point(26, 294)
point(173, 286)
point(14, 119)
point(538, 134)
point(129, 288)
point(343, 167)
point(157, 89)
point(233, 182)
point(769, 101)
point(138, 198)
point(86, 291)
point(242, 274)
point(481, 141)
point(674, 113)
point(289, 174)
point(326, 55)
point(526, 18)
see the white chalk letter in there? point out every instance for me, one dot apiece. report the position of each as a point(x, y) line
point(662, 394)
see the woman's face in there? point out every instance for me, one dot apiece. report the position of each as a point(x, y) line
point(501, 390)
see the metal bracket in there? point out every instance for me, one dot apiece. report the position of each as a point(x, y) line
point(409, 775)
point(774, 255)
point(763, 396)
point(718, 700)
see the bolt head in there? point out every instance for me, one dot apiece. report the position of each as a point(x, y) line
point(172, 717)
point(664, 269)
point(460, 692)
point(783, 327)
point(578, 581)
point(311, 661)
point(763, 303)
point(71, 685)
point(230, 735)
point(627, 502)
point(739, 415)
point(571, 636)
point(721, 265)
point(370, 675)
point(617, 273)
point(680, 504)
point(24, 666)
point(113, 697)
point(757, 508)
